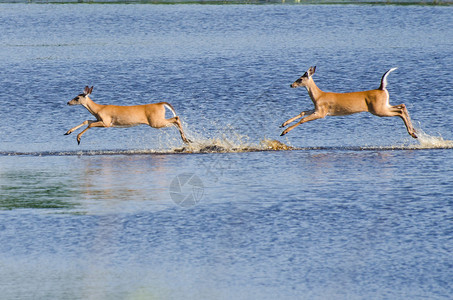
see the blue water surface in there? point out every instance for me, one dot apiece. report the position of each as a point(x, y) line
point(358, 210)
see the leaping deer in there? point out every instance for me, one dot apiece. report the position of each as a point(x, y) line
point(124, 116)
point(342, 104)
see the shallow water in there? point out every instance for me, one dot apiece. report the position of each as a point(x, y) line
point(344, 207)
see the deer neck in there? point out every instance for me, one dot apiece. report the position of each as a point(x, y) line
point(313, 91)
point(92, 106)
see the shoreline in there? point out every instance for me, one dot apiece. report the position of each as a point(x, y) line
point(239, 2)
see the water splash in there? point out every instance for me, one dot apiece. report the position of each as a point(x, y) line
point(275, 145)
point(224, 145)
point(230, 140)
point(424, 141)
point(427, 141)
point(225, 140)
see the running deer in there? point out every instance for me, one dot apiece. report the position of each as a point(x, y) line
point(124, 116)
point(342, 104)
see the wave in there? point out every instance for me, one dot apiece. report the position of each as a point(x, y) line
point(204, 146)
point(235, 143)
point(427, 142)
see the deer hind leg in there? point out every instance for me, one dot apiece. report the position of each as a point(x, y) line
point(306, 112)
point(91, 124)
point(314, 116)
point(175, 121)
point(399, 111)
point(404, 114)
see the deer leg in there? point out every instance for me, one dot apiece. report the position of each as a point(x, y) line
point(398, 111)
point(183, 136)
point(402, 112)
point(175, 121)
point(77, 127)
point(314, 116)
point(91, 124)
point(306, 112)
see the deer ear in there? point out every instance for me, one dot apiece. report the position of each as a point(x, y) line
point(86, 91)
point(91, 89)
point(311, 71)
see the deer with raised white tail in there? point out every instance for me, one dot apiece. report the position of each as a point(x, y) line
point(125, 116)
point(342, 104)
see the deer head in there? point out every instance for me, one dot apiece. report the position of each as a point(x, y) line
point(81, 98)
point(304, 79)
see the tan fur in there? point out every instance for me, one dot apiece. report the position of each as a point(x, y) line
point(124, 116)
point(341, 104)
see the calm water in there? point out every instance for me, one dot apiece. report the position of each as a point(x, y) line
point(359, 210)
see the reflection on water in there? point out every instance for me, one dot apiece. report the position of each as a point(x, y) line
point(89, 185)
point(36, 189)
point(313, 221)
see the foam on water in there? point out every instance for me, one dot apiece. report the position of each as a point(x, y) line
point(230, 141)
point(225, 140)
point(222, 145)
point(427, 141)
point(219, 145)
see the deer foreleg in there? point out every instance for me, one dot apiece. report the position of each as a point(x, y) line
point(314, 116)
point(77, 127)
point(91, 124)
point(306, 112)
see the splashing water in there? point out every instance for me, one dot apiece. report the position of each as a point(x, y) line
point(228, 139)
point(424, 141)
point(427, 141)
point(224, 145)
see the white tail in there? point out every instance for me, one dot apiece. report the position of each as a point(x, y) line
point(383, 85)
point(341, 104)
point(170, 108)
point(125, 116)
